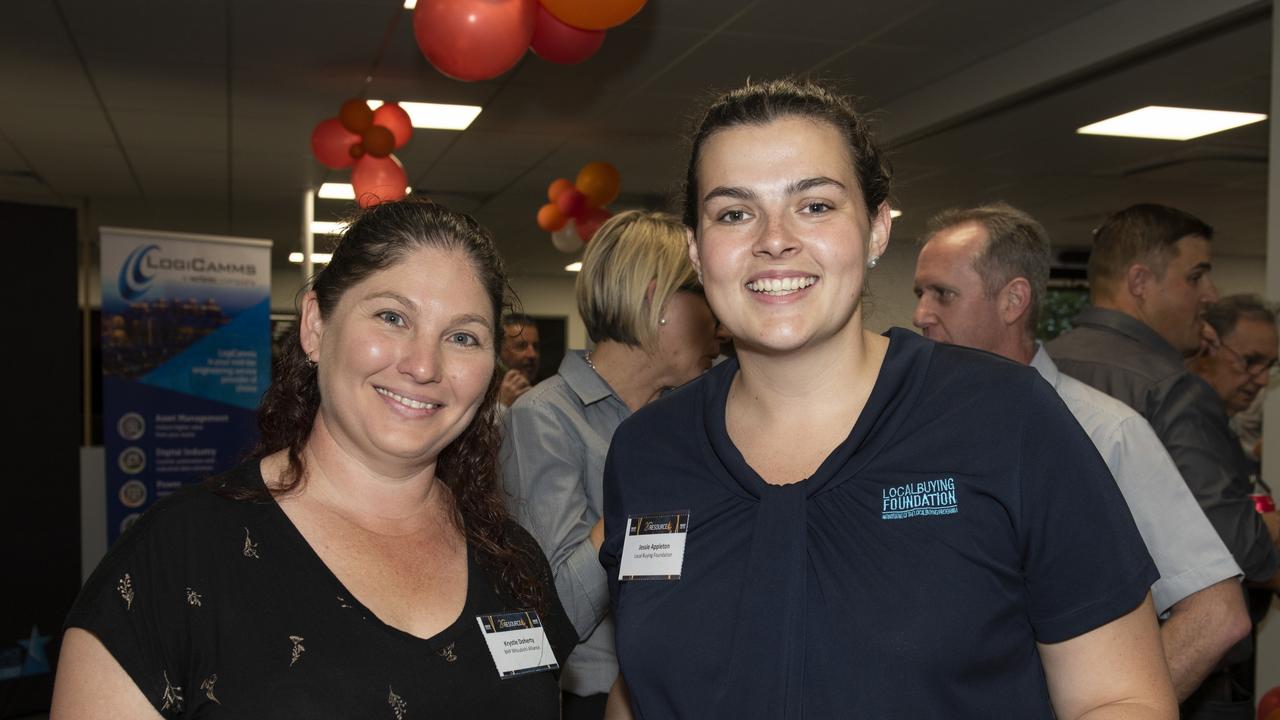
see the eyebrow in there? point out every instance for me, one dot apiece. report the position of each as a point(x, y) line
point(393, 296)
point(470, 318)
point(798, 186)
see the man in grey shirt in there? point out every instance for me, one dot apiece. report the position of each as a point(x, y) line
point(980, 278)
point(1149, 276)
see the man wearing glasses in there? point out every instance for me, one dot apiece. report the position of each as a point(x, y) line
point(1240, 364)
point(1150, 285)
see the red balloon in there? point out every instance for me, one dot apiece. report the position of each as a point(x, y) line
point(571, 203)
point(558, 42)
point(394, 118)
point(474, 39)
point(331, 144)
point(355, 115)
point(378, 141)
point(591, 221)
point(1269, 703)
point(378, 180)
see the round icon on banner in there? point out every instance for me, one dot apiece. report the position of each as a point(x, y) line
point(131, 426)
point(133, 494)
point(128, 521)
point(132, 460)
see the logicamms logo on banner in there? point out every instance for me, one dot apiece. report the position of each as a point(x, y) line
point(186, 356)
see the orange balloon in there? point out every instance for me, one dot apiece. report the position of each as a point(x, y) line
point(556, 187)
point(379, 141)
point(593, 14)
point(600, 182)
point(356, 115)
point(550, 218)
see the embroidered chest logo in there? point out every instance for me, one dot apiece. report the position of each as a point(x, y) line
point(931, 497)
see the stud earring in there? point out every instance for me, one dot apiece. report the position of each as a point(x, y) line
point(311, 363)
point(662, 321)
point(873, 261)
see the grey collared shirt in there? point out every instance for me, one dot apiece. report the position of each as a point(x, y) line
point(1126, 359)
point(556, 438)
point(1188, 553)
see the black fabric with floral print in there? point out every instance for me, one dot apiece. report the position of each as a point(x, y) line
point(219, 608)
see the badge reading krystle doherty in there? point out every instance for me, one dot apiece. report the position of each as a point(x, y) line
point(517, 643)
point(654, 546)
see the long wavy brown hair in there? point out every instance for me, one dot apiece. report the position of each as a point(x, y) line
point(377, 239)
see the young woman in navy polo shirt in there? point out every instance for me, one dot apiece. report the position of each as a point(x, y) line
point(845, 524)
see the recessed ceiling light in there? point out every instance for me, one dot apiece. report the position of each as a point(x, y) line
point(337, 191)
point(342, 191)
point(325, 227)
point(574, 267)
point(1170, 123)
point(893, 212)
point(319, 258)
point(437, 116)
point(410, 4)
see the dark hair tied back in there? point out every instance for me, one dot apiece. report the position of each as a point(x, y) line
point(765, 102)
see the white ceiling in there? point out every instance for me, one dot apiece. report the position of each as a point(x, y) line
point(195, 115)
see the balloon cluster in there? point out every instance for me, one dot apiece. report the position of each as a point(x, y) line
point(481, 39)
point(365, 138)
point(576, 209)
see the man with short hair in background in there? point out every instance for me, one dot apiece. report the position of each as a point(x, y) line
point(520, 356)
point(980, 280)
point(1150, 282)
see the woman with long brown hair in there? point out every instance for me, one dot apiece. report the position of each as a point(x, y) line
point(362, 563)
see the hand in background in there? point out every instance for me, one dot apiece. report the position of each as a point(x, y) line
point(514, 384)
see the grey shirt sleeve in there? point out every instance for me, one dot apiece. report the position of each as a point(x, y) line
point(544, 466)
point(1187, 551)
point(1194, 429)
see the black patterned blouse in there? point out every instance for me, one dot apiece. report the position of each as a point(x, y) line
point(220, 608)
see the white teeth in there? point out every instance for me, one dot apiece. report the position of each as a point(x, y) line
point(781, 286)
point(407, 402)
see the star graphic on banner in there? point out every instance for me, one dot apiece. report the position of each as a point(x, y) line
point(37, 663)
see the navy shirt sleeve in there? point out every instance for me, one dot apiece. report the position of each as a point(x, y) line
point(1086, 564)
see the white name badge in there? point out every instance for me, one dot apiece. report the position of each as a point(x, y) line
point(517, 643)
point(654, 546)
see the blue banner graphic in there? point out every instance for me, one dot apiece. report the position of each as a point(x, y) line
point(186, 356)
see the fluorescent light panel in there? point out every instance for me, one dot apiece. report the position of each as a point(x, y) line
point(321, 258)
point(437, 116)
point(574, 267)
point(1158, 122)
point(336, 191)
point(342, 191)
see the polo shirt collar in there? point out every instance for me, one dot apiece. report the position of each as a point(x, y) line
point(1128, 326)
point(582, 380)
point(1045, 365)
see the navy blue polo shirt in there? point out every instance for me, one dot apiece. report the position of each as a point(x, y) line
point(966, 517)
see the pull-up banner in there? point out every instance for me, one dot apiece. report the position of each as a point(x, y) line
point(186, 356)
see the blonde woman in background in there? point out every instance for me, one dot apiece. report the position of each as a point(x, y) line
point(641, 301)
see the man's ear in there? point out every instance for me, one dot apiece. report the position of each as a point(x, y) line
point(1015, 301)
point(1138, 279)
point(311, 326)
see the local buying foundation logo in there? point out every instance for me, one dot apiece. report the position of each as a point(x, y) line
point(931, 497)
